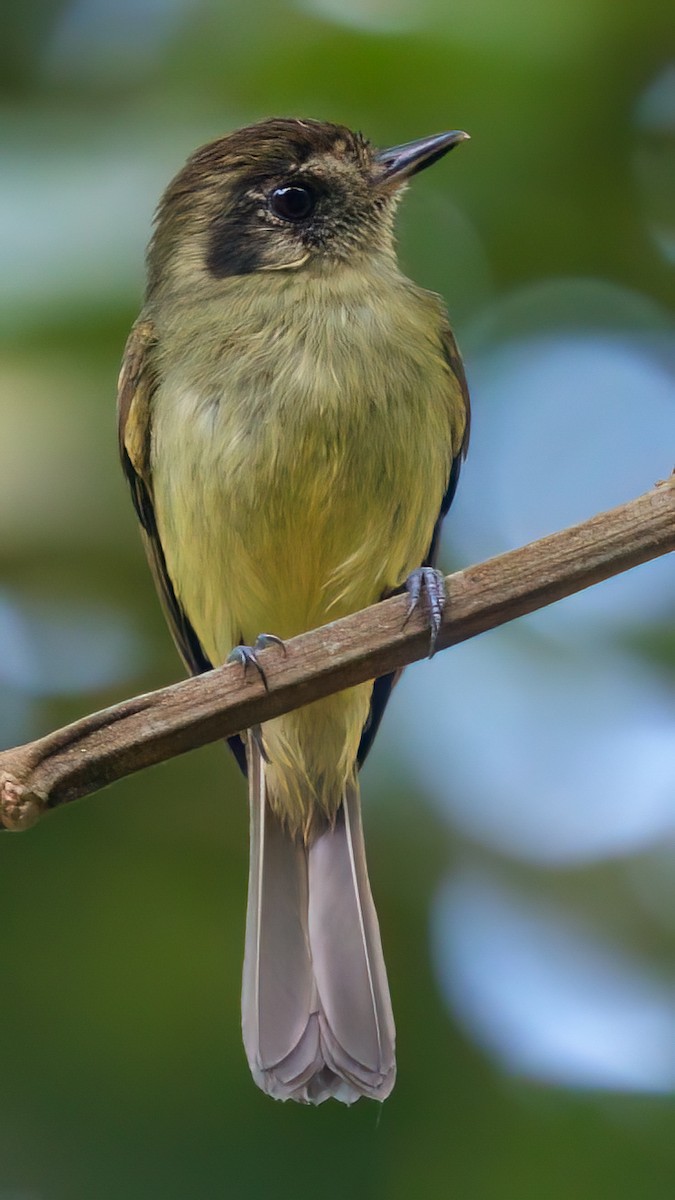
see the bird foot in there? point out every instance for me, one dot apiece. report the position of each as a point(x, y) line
point(429, 583)
point(248, 655)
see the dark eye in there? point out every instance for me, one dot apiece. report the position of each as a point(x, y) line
point(292, 203)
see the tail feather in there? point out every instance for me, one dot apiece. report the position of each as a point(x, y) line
point(278, 993)
point(316, 1013)
point(356, 1018)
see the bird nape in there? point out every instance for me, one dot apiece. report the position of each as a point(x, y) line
point(293, 413)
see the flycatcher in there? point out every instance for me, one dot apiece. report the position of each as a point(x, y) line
point(293, 413)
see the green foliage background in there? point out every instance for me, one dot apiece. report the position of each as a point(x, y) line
point(121, 1069)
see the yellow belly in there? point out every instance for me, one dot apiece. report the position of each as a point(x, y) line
point(304, 486)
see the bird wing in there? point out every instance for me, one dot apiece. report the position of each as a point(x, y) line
point(136, 388)
point(454, 361)
point(383, 686)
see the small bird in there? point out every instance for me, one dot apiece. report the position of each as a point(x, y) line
point(293, 413)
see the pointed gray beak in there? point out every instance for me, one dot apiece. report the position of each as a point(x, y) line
point(401, 162)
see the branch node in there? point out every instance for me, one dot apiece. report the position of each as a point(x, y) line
point(19, 807)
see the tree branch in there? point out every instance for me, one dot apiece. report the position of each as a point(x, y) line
point(101, 748)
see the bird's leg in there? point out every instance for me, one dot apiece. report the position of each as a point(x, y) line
point(430, 583)
point(248, 655)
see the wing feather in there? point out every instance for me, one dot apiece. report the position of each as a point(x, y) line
point(136, 388)
point(382, 687)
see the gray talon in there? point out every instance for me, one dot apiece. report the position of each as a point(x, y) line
point(247, 656)
point(264, 640)
point(432, 582)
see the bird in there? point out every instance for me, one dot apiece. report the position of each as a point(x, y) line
point(293, 414)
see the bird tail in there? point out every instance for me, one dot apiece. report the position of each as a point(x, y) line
point(316, 1013)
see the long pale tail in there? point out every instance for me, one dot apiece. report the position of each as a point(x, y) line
point(316, 1013)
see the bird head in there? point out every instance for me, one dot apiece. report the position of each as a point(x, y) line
point(283, 195)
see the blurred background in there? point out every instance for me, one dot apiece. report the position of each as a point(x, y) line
point(520, 802)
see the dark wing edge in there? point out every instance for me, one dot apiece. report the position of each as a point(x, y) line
point(382, 687)
point(454, 360)
point(134, 415)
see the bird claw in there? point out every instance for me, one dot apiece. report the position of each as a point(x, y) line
point(431, 582)
point(248, 657)
point(264, 640)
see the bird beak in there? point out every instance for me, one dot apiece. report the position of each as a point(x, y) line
point(401, 162)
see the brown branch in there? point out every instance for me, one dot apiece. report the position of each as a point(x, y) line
point(106, 746)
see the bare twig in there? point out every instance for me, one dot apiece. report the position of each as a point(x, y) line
point(106, 746)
